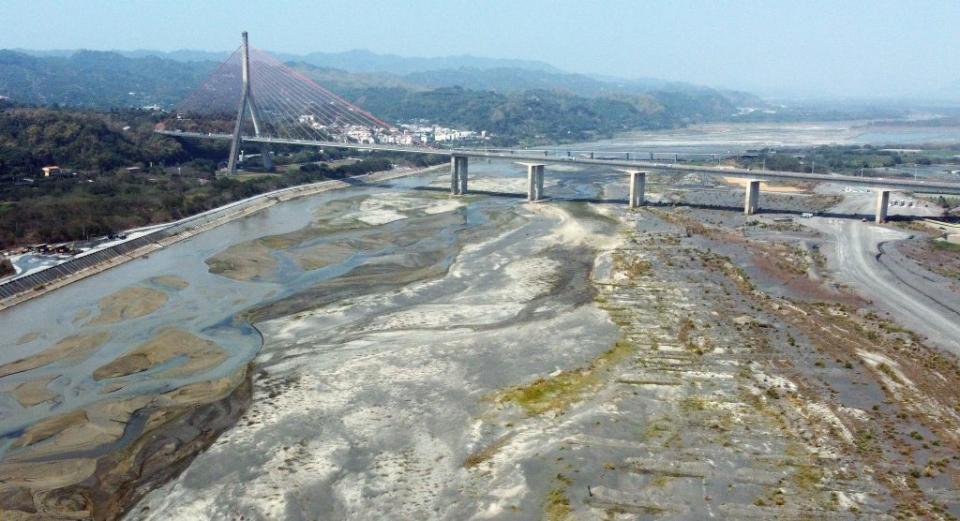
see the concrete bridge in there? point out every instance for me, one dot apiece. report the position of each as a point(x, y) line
point(536, 162)
point(301, 108)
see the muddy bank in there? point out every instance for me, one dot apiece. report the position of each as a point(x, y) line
point(101, 482)
point(588, 363)
point(197, 355)
point(114, 394)
point(482, 358)
point(72, 348)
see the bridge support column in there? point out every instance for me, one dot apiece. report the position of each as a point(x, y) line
point(534, 181)
point(458, 175)
point(752, 202)
point(883, 200)
point(638, 181)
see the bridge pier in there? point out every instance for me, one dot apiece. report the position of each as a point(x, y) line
point(883, 200)
point(265, 151)
point(638, 181)
point(534, 181)
point(458, 175)
point(752, 195)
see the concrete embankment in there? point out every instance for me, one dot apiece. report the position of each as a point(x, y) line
point(20, 290)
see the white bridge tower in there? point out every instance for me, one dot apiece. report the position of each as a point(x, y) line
point(247, 101)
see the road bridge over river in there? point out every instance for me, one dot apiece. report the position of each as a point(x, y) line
point(536, 161)
point(287, 108)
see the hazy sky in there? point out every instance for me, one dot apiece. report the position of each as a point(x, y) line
point(813, 48)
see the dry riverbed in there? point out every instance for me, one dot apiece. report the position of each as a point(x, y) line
point(483, 358)
point(588, 363)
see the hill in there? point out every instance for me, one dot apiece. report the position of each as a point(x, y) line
point(366, 61)
point(536, 116)
point(98, 79)
point(512, 99)
point(81, 140)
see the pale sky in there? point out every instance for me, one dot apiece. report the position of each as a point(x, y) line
point(843, 48)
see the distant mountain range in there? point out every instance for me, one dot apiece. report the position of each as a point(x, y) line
point(62, 76)
point(350, 61)
point(509, 97)
point(96, 79)
point(366, 61)
point(471, 72)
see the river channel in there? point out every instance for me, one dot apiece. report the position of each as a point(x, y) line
point(362, 280)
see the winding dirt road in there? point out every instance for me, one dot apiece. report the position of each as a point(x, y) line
point(862, 256)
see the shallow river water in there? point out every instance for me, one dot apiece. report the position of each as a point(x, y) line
point(390, 351)
point(369, 299)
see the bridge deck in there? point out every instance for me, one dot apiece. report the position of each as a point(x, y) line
point(939, 187)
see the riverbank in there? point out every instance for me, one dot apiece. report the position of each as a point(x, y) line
point(475, 357)
point(577, 361)
point(227, 213)
point(132, 391)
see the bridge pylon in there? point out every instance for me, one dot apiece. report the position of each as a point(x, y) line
point(247, 101)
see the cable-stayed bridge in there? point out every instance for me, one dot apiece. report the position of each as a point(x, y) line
point(254, 98)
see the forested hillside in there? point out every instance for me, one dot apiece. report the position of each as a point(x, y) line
point(100, 80)
point(82, 140)
point(517, 105)
point(542, 115)
point(97, 196)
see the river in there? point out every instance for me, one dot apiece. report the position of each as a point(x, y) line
point(365, 272)
point(379, 324)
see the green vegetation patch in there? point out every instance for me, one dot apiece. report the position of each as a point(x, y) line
point(556, 393)
point(632, 265)
point(556, 506)
point(807, 477)
point(945, 246)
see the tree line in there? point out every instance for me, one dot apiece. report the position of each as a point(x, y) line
point(104, 198)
